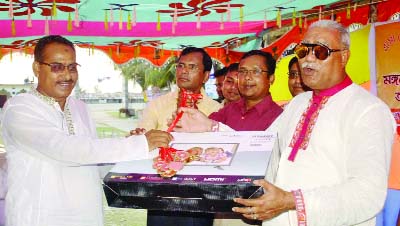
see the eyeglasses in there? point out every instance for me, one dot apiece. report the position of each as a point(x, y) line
point(59, 67)
point(189, 67)
point(256, 72)
point(321, 52)
point(293, 74)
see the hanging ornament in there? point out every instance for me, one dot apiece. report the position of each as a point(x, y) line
point(92, 48)
point(110, 52)
point(173, 28)
point(332, 15)
point(129, 23)
point(76, 17)
point(301, 22)
point(46, 26)
point(355, 6)
point(29, 19)
point(134, 16)
point(221, 24)
point(227, 49)
point(120, 19)
point(158, 22)
point(111, 17)
point(348, 13)
point(105, 20)
point(54, 10)
point(320, 13)
point(279, 19)
point(69, 26)
point(228, 13)
point(162, 51)
point(198, 22)
point(118, 46)
point(305, 22)
point(1, 52)
point(175, 16)
point(294, 17)
point(265, 20)
point(13, 30)
point(11, 55)
point(10, 9)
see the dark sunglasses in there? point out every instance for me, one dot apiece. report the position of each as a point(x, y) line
point(59, 67)
point(321, 52)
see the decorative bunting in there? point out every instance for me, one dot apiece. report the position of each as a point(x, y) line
point(305, 22)
point(11, 55)
point(348, 12)
point(198, 22)
point(129, 23)
point(279, 19)
point(158, 22)
point(228, 13)
point(92, 48)
point(111, 17)
point(110, 53)
point(1, 52)
point(29, 19)
point(10, 9)
point(76, 18)
point(120, 19)
point(46, 26)
point(241, 17)
point(355, 6)
point(175, 17)
point(294, 17)
point(105, 20)
point(134, 16)
point(173, 28)
point(13, 30)
point(54, 10)
point(118, 46)
point(221, 24)
point(300, 20)
point(265, 20)
point(332, 15)
point(69, 26)
point(162, 51)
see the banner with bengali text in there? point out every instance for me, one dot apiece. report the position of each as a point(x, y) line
point(387, 47)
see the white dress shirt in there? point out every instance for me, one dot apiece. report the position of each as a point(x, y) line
point(53, 179)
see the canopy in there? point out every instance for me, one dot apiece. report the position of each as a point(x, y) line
point(158, 29)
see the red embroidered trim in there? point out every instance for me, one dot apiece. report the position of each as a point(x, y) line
point(300, 208)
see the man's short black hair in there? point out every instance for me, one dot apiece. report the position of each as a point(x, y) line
point(46, 40)
point(207, 62)
point(233, 67)
point(269, 60)
point(221, 72)
point(292, 61)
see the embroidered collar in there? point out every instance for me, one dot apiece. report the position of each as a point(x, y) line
point(47, 99)
point(302, 134)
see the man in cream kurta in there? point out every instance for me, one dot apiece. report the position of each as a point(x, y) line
point(52, 149)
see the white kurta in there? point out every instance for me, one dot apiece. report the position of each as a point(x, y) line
point(343, 171)
point(53, 179)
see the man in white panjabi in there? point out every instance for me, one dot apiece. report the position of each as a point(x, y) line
point(52, 149)
point(330, 163)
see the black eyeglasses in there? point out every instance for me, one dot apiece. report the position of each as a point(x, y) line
point(321, 52)
point(59, 67)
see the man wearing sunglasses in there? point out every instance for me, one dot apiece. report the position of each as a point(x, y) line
point(52, 147)
point(330, 163)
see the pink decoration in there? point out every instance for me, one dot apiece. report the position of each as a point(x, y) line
point(175, 17)
point(134, 16)
point(221, 26)
point(46, 27)
point(198, 23)
point(265, 20)
point(228, 13)
point(176, 165)
point(111, 17)
point(10, 9)
point(29, 20)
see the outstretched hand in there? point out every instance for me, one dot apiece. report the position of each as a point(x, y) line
point(274, 202)
point(158, 138)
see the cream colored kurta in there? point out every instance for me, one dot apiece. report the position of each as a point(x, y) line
point(53, 179)
point(343, 172)
point(160, 110)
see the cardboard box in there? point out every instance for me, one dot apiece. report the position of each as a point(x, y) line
point(203, 186)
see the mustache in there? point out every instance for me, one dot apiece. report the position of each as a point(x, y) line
point(313, 66)
point(63, 81)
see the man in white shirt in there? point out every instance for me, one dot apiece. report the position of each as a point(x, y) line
point(330, 163)
point(52, 148)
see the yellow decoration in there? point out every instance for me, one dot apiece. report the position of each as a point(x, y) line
point(69, 27)
point(105, 21)
point(158, 22)
point(54, 9)
point(241, 16)
point(11, 53)
point(13, 29)
point(110, 52)
point(279, 19)
point(1, 53)
point(92, 48)
point(294, 17)
point(129, 23)
point(348, 12)
point(300, 20)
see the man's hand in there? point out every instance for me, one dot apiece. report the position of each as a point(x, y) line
point(274, 202)
point(158, 138)
point(193, 121)
point(137, 131)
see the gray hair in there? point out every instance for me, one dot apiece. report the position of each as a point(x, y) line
point(330, 24)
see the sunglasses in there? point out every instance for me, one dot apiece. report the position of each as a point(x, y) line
point(321, 52)
point(59, 67)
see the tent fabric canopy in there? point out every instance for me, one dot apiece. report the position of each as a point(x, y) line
point(159, 29)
